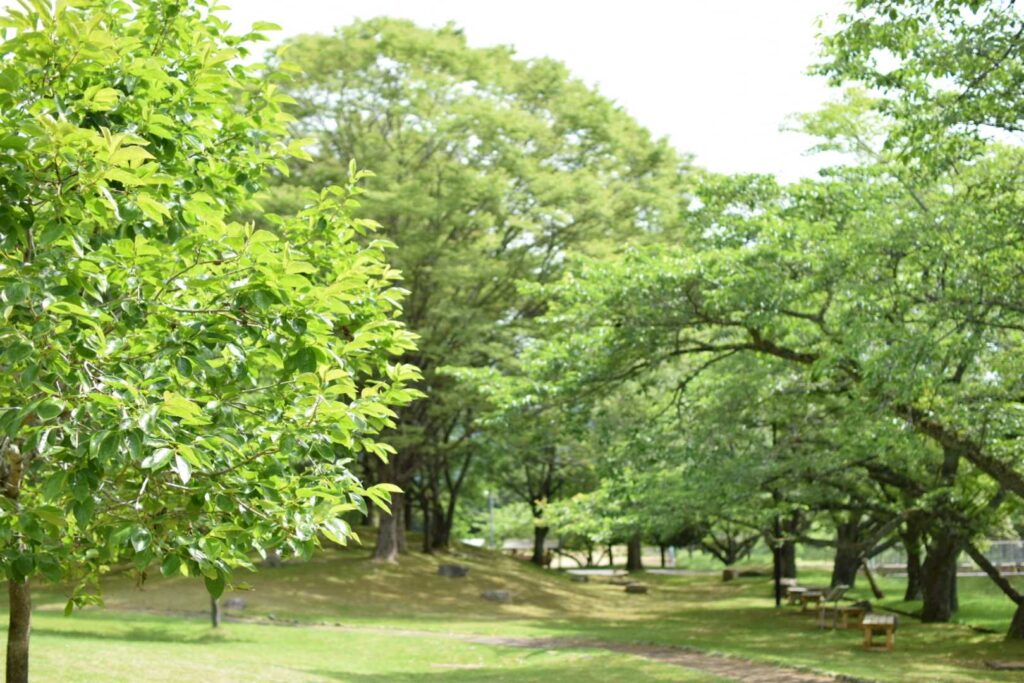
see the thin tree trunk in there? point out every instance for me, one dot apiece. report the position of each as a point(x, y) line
point(1016, 631)
point(428, 531)
point(611, 558)
point(398, 504)
point(539, 534)
point(390, 537)
point(634, 551)
point(661, 550)
point(18, 629)
point(214, 612)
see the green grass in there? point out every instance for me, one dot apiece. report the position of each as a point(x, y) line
point(131, 647)
point(159, 632)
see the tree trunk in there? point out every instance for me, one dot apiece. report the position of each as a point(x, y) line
point(792, 527)
point(539, 534)
point(661, 550)
point(398, 505)
point(391, 535)
point(844, 569)
point(611, 558)
point(441, 528)
point(848, 554)
point(789, 559)
point(428, 531)
point(214, 612)
point(19, 626)
point(913, 548)
point(407, 518)
point(634, 552)
point(1016, 631)
point(938, 585)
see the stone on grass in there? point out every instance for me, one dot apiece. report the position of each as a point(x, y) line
point(497, 596)
point(728, 574)
point(453, 571)
point(638, 588)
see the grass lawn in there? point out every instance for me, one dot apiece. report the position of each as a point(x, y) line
point(159, 632)
point(109, 646)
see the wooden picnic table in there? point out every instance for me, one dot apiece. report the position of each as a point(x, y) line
point(879, 623)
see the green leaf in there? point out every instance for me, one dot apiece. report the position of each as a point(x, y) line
point(18, 351)
point(214, 586)
point(157, 459)
point(101, 99)
point(178, 406)
point(49, 409)
point(141, 538)
point(16, 292)
point(183, 468)
point(337, 530)
point(171, 566)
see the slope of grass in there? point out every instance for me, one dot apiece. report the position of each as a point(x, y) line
point(342, 587)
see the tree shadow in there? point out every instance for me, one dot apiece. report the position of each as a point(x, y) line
point(142, 634)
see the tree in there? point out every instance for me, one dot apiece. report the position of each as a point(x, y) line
point(175, 387)
point(492, 169)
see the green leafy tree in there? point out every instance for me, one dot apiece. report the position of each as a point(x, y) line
point(491, 170)
point(176, 387)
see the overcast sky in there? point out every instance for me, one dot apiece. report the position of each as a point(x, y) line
point(717, 77)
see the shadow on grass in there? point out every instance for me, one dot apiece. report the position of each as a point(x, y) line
point(136, 635)
point(532, 674)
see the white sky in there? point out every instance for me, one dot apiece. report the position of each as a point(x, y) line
point(718, 77)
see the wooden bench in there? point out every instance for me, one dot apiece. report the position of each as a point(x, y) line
point(819, 595)
point(879, 623)
point(793, 594)
point(843, 616)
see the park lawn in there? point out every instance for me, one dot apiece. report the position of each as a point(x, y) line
point(113, 647)
point(343, 588)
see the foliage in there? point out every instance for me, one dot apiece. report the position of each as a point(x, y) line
point(176, 386)
point(492, 169)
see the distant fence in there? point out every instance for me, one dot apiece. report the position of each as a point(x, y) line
point(1008, 556)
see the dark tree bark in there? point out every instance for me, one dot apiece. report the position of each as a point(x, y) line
point(845, 566)
point(661, 551)
point(849, 552)
point(1016, 631)
point(938, 585)
point(540, 533)
point(911, 538)
point(788, 559)
point(634, 552)
point(391, 534)
point(18, 629)
point(611, 558)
